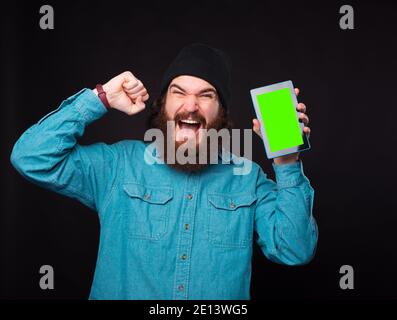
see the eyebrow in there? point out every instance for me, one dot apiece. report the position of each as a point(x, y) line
point(201, 91)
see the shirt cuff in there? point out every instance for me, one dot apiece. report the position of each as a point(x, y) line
point(88, 104)
point(288, 175)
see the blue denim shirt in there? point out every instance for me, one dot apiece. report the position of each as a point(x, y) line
point(166, 234)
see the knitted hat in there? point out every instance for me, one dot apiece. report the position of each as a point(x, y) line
point(205, 62)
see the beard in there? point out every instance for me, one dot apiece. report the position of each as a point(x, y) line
point(198, 154)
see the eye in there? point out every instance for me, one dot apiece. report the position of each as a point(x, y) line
point(208, 95)
point(177, 92)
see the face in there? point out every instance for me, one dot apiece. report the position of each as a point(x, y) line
point(193, 104)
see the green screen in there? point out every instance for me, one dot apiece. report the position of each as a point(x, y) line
point(280, 121)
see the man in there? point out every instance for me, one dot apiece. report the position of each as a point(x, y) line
point(171, 230)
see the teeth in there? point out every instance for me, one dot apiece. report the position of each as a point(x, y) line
point(190, 121)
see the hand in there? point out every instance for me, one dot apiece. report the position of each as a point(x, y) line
point(302, 117)
point(126, 93)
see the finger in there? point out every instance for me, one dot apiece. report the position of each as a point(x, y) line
point(145, 97)
point(131, 84)
point(255, 123)
point(136, 88)
point(140, 105)
point(304, 118)
point(307, 131)
point(128, 76)
point(301, 107)
point(297, 91)
point(136, 106)
point(143, 92)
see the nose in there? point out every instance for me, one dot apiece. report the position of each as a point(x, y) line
point(191, 103)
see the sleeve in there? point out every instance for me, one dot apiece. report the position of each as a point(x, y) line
point(286, 230)
point(48, 155)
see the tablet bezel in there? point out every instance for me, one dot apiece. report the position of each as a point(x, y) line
point(274, 87)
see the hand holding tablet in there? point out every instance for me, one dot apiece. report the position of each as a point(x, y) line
point(279, 116)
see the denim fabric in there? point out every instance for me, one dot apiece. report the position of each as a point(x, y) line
point(166, 234)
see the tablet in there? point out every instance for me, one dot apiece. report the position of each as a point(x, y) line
point(275, 107)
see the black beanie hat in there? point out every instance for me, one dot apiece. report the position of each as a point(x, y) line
point(205, 62)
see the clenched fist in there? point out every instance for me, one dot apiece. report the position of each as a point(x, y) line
point(126, 93)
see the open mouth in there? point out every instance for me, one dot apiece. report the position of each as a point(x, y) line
point(188, 129)
point(189, 125)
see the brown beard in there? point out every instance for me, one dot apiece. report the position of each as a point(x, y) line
point(159, 121)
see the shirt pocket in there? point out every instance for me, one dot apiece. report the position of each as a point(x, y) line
point(148, 210)
point(231, 219)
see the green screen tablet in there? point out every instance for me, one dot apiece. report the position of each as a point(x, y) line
point(275, 107)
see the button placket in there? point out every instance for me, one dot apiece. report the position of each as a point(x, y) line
point(185, 238)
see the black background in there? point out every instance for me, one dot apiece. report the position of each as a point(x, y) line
point(347, 80)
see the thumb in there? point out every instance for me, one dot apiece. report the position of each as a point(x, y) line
point(256, 127)
point(135, 107)
point(139, 104)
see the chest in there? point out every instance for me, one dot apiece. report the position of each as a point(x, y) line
point(158, 207)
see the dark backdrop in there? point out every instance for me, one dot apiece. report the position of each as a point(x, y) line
point(347, 80)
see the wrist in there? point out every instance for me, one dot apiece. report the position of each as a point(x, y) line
point(100, 91)
point(290, 158)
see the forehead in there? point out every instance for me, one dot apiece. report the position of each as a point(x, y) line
point(191, 83)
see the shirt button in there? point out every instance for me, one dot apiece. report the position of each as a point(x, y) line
point(232, 205)
point(187, 226)
point(184, 257)
point(189, 196)
point(180, 287)
point(146, 196)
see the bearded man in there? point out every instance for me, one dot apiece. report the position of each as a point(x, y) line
point(172, 230)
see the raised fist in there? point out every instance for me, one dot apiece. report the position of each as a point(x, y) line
point(126, 93)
